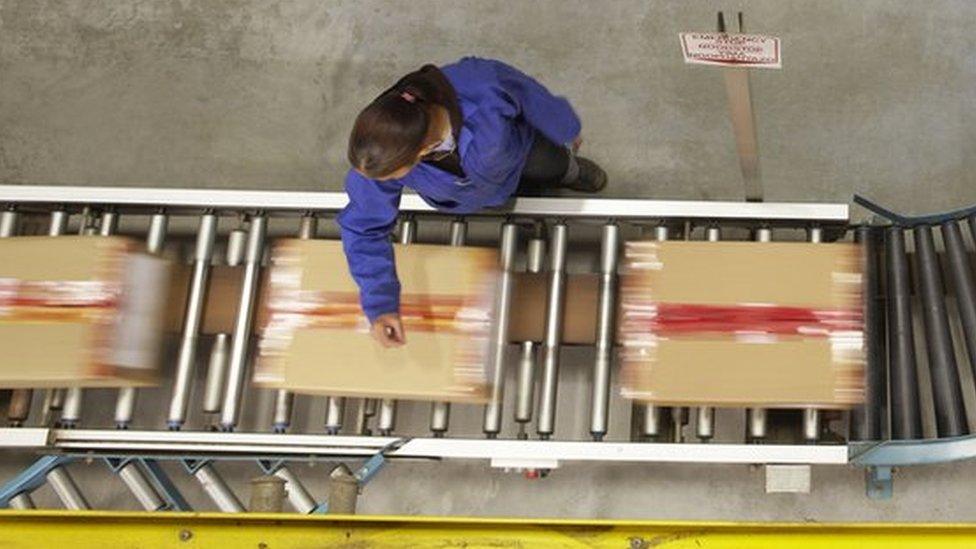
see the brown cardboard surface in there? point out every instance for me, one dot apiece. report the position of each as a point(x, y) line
point(348, 363)
point(43, 258)
point(729, 273)
point(740, 365)
point(47, 345)
point(720, 372)
point(435, 363)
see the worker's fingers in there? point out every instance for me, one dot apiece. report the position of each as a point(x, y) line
point(395, 330)
point(388, 331)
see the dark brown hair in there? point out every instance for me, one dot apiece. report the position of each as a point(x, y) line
point(389, 133)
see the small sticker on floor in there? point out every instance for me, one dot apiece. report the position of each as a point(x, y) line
point(733, 50)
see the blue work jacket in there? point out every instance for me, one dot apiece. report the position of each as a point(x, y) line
point(500, 107)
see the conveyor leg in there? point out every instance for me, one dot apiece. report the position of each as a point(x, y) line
point(879, 482)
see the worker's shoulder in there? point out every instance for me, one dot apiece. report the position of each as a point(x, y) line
point(471, 67)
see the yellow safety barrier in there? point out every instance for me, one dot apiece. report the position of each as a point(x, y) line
point(103, 530)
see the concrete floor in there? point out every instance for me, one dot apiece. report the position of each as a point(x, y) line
point(874, 97)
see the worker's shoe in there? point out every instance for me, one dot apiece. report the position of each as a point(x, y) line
point(591, 178)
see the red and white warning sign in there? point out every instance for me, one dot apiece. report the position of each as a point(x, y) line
point(735, 50)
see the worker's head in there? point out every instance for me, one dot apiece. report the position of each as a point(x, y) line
point(394, 132)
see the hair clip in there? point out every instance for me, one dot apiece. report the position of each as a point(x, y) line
point(408, 97)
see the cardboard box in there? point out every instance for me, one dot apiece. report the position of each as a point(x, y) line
point(79, 312)
point(315, 339)
point(742, 324)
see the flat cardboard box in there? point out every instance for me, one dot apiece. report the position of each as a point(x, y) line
point(58, 328)
point(527, 322)
point(772, 363)
point(314, 339)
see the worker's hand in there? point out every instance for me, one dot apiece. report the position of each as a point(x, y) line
point(388, 330)
point(577, 143)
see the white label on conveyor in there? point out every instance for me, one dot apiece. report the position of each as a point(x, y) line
point(731, 50)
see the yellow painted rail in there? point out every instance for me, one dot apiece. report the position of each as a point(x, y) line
point(103, 530)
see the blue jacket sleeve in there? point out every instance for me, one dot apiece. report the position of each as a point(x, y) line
point(366, 224)
point(553, 116)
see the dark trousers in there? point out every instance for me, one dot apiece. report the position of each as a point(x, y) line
point(546, 167)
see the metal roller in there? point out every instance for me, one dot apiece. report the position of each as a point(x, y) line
point(230, 411)
point(54, 399)
point(284, 403)
point(386, 416)
point(71, 411)
point(8, 223)
point(335, 411)
point(906, 418)
point(192, 319)
point(652, 417)
point(705, 417)
point(499, 338)
point(606, 313)
point(367, 410)
point(213, 391)
point(525, 377)
point(949, 414)
point(866, 421)
point(236, 247)
point(440, 412)
point(961, 270)
point(22, 502)
point(141, 488)
point(298, 496)
point(67, 491)
point(555, 304)
point(155, 239)
point(20, 399)
point(217, 489)
point(811, 416)
point(756, 420)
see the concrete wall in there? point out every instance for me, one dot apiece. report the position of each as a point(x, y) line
point(874, 96)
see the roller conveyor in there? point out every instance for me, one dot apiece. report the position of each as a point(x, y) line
point(212, 372)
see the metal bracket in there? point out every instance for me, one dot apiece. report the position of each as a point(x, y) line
point(194, 465)
point(31, 478)
point(879, 482)
point(269, 466)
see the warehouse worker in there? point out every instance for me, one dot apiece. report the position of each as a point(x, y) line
point(465, 137)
